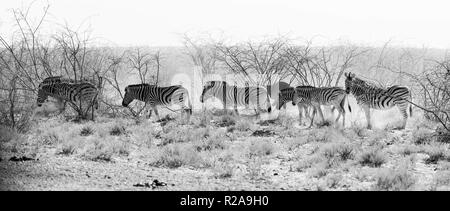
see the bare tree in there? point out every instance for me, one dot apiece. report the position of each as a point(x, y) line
point(320, 66)
point(202, 53)
point(257, 62)
point(21, 68)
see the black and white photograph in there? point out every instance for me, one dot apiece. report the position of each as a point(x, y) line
point(224, 95)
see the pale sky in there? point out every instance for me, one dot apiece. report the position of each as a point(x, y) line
point(160, 23)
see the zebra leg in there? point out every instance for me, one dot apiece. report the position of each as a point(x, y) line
point(61, 110)
point(367, 112)
point(156, 112)
point(300, 114)
point(313, 115)
point(307, 111)
point(321, 113)
point(403, 109)
point(341, 111)
point(149, 113)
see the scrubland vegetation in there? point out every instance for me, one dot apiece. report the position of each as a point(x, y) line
point(217, 150)
point(227, 155)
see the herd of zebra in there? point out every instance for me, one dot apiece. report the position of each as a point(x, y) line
point(85, 94)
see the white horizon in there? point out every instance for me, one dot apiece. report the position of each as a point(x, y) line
point(420, 24)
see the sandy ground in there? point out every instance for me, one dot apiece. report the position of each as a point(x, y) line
point(277, 168)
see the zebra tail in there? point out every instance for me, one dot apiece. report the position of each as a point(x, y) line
point(410, 106)
point(189, 104)
point(410, 111)
point(269, 108)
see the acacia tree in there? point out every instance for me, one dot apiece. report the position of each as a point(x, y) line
point(259, 63)
point(21, 67)
point(202, 53)
point(320, 66)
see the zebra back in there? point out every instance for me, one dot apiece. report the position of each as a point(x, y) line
point(320, 95)
point(155, 95)
point(236, 96)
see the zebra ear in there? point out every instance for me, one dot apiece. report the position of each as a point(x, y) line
point(346, 75)
point(352, 75)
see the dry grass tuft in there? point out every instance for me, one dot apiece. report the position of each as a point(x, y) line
point(394, 180)
point(372, 158)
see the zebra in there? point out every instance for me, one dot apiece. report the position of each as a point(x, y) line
point(79, 95)
point(60, 79)
point(154, 95)
point(237, 96)
point(317, 96)
point(369, 96)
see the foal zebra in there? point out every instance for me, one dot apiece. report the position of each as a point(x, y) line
point(369, 96)
point(154, 95)
point(326, 96)
point(82, 96)
point(237, 96)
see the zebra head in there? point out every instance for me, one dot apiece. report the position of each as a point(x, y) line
point(128, 97)
point(42, 96)
point(349, 82)
point(206, 93)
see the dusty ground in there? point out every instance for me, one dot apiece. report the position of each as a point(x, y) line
point(223, 152)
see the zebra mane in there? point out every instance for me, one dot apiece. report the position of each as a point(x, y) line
point(61, 79)
point(138, 85)
point(305, 86)
point(367, 83)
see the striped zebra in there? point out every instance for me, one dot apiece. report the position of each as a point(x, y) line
point(81, 96)
point(233, 96)
point(369, 96)
point(317, 96)
point(154, 95)
point(60, 79)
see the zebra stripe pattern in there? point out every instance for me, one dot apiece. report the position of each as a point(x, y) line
point(369, 96)
point(155, 95)
point(60, 79)
point(256, 97)
point(79, 95)
point(286, 95)
point(317, 96)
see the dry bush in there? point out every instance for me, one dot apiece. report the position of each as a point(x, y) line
point(394, 180)
point(359, 130)
point(408, 149)
point(118, 130)
point(318, 171)
point(176, 155)
point(97, 149)
point(261, 148)
point(216, 141)
point(436, 153)
point(87, 131)
point(333, 180)
point(326, 134)
point(372, 158)
point(441, 180)
point(7, 134)
point(223, 170)
point(245, 125)
point(184, 134)
point(421, 136)
point(336, 153)
point(308, 163)
point(295, 143)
